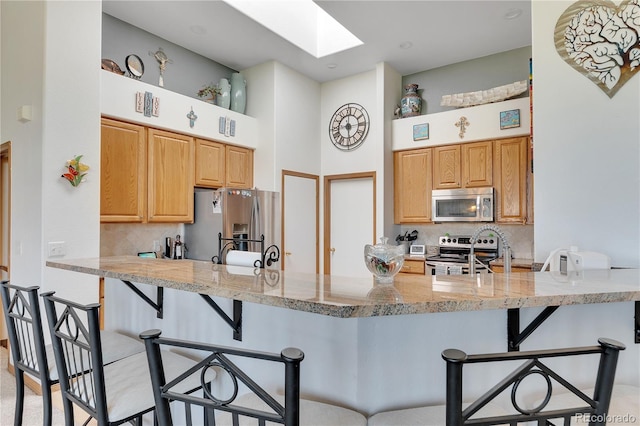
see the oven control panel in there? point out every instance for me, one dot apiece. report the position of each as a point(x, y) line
point(464, 241)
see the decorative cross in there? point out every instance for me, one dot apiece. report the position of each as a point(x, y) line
point(463, 123)
point(192, 118)
point(163, 60)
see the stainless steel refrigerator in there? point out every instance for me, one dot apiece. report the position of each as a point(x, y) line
point(236, 213)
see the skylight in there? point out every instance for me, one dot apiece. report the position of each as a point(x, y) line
point(301, 22)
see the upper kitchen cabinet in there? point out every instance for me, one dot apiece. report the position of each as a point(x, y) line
point(170, 177)
point(477, 164)
point(218, 165)
point(447, 172)
point(412, 185)
point(510, 179)
point(146, 174)
point(123, 172)
point(466, 165)
point(209, 164)
point(239, 167)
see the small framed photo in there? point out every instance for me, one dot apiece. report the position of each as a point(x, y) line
point(420, 131)
point(509, 119)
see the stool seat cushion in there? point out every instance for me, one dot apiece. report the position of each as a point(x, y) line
point(431, 415)
point(312, 413)
point(624, 408)
point(128, 383)
point(115, 346)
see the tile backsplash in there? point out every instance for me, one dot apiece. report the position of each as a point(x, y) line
point(520, 237)
point(132, 238)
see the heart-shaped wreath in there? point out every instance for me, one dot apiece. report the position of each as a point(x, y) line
point(601, 41)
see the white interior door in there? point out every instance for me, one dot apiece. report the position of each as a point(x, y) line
point(300, 222)
point(352, 225)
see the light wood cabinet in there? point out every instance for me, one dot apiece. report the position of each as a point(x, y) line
point(209, 164)
point(466, 165)
point(510, 179)
point(504, 164)
point(146, 174)
point(413, 266)
point(447, 170)
point(477, 164)
point(170, 177)
point(123, 172)
point(239, 167)
point(412, 186)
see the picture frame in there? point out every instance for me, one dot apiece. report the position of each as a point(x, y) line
point(420, 131)
point(509, 119)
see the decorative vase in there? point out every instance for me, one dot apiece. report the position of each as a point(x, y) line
point(238, 93)
point(223, 100)
point(411, 102)
point(383, 260)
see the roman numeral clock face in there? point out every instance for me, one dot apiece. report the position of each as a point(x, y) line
point(349, 127)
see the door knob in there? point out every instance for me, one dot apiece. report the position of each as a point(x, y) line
point(332, 250)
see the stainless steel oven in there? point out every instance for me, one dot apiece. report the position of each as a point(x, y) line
point(453, 255)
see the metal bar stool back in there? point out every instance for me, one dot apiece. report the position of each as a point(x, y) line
point(221, 400)
point(26, 339)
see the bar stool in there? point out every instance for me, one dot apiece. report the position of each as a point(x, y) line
point(569, 402)
point(29, 353)
point(112, 393)
point(257, 406)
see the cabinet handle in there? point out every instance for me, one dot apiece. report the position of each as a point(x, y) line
point(287, 253)
point(332, 250)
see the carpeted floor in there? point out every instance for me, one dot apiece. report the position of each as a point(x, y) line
point(32, 405)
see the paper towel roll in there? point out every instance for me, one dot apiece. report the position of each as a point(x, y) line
point(243, 258)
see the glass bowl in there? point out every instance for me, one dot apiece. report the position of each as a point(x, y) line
point(384, 260)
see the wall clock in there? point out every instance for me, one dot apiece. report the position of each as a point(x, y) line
point(349, 127)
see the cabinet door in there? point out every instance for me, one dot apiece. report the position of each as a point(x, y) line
point(477, 164)
point(511, 180)
point(412, 186)
point(170, 177)
point(239, 167)
point(209, 164)
point(123, 172)
point(446, 167)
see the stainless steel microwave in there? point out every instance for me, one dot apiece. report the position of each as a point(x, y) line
point(462, 205)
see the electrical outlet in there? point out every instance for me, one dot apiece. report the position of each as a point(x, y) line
point(156, 245)
point(57, 248)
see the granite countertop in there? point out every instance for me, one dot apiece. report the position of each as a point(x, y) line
point(347, 297)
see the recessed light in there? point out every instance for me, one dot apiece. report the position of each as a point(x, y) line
point(197, 29)
point(512, 13)
point(331, 66)
point(406, 45)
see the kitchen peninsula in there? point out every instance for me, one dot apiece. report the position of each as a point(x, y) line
point(350, 328)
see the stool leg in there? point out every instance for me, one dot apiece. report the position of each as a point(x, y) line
point(17, 420)
point(46, 404)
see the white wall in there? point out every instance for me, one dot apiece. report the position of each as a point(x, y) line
point(297, 125)
point(286, 105)
point(44, 70)
point(22, 85)
point(484, 123)
point(586, 154)
point(117, 96)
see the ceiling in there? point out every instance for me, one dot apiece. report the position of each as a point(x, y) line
point(440, 32)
